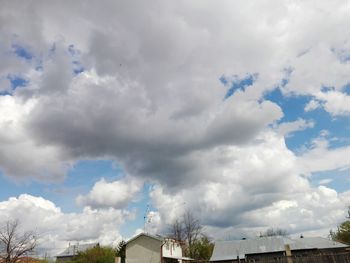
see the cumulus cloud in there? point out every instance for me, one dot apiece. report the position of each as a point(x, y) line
point(322, 157)
point(287, 128)
point(117, 194)
point(20, 155)
point(261, 187)
point(55, 228)
point(337, 103)
point(118, 108)
point(249, 177)
point(147, 95)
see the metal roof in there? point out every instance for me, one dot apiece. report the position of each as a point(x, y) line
point(157, 237)
point(73, 250)
point(225, 250)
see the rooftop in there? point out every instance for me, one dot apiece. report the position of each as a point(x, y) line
point(73, 250)
point(225, 250)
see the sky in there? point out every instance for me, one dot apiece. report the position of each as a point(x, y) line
point(112, 111)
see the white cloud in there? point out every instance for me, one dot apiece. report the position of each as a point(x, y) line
point(150, 99)
point(313, 211)
point(325, 181)
point(323, 158)
point(143, 85)
point(117, 194)
point(312, 105)
point(20, 155)
point(260, 187)
point(317, 209)
point(55, 228)
point(287, 128)
point(337, 103)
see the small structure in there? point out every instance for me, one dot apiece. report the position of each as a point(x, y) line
point(69, 253)
point(273, 248)
point(153, 249)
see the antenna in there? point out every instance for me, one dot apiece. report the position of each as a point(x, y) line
point(145, 218)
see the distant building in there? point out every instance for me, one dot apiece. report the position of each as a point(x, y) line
point(273, 248)
point(153, 249)
point(73, 250)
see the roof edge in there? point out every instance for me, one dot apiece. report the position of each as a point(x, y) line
point(144, 234)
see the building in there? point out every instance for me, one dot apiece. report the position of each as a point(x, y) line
point(273, 248)
point(153, 249)
point(73, 250)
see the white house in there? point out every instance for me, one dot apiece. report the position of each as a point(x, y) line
point(153, 249)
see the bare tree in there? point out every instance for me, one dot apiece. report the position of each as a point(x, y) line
point(192, 227)
point(187, 230)
point(177, 231)
point(14, 245)
point(274, 232)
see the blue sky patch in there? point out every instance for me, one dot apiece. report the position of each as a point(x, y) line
point(342, 54)
point(77, 68)
point(80, 179)
point(22, 52)
point(73, 51)
point(339, 179)
point(236, 83)
point(346, 89)
point(17, 81)
point(293, 109)
point(75, 54)
point(327, 89)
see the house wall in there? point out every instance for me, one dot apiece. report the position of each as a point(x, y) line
point(143, 249)
point(276, 256)
point(171, 248)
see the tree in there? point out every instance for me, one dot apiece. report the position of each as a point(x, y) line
point(202, 248)
point(192, 229)
point(177, 231)
point(121, 249)
point(342, 234)
point(96, 254)
point(189, 232)
point(274, 232)
point(13, 244)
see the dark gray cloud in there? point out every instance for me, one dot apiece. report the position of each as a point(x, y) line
point(114, 119)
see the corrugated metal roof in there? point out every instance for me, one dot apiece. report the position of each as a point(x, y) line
point(73, 250)
point(314, 242)
point(225, 250)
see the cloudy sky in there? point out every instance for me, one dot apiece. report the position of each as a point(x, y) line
point(235, 110)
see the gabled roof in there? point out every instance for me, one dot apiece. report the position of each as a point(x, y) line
point(225, 250)
point(156, 237)
point(73, 250)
